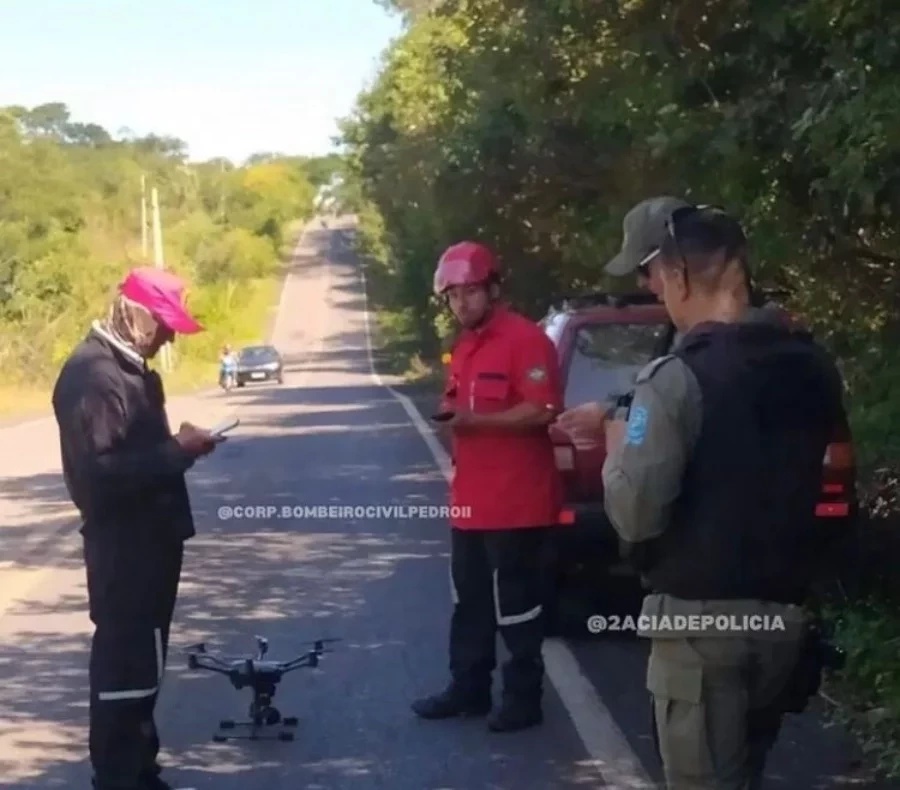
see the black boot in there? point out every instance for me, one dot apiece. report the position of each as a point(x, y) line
point(453, 702)
point(516, 714)
point(151, 778)
point(155, 782)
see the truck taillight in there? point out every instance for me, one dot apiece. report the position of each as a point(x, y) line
point(839, 455)
point(565, 458)
point(832, 510)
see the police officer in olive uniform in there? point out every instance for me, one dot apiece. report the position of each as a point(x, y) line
point(712, 484)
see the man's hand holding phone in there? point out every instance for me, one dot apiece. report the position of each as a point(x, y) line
point(195, 441)
point(585, 424)
point(459, 421)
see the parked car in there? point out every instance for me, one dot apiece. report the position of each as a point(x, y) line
point(259, 364)
point(603, 341)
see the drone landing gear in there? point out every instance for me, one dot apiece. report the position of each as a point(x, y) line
point(262, 724)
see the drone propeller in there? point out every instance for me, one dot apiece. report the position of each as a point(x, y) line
point(317, 649)
point(318, 643)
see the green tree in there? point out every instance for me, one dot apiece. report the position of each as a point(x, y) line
point(533, 125)
point(70, 227)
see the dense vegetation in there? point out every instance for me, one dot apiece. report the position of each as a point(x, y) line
point(70, 226)
point(535, 124)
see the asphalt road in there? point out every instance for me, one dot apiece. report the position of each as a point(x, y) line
point(332, 434)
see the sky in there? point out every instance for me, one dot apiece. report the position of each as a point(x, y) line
point(230, 78)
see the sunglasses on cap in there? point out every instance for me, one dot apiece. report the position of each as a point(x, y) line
point(643, 268)
point(679, 215)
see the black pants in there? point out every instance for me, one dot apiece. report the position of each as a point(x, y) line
point(132, 588)
point(498, 584)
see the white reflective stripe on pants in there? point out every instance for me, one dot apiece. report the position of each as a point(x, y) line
point(512, 619)
point(453, 593)
point(108, 696)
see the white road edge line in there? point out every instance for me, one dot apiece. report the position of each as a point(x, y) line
point(601, 736)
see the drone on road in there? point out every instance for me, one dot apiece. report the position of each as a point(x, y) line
point(262, 676)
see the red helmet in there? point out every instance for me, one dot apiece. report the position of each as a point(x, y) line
point(465, 263)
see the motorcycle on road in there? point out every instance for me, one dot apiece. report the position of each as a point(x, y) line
point(228, 377)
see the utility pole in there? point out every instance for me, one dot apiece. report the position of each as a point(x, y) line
point(144, 216)
point(222, 190)
point(159, 261)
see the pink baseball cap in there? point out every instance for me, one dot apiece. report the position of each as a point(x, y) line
point(162, 293)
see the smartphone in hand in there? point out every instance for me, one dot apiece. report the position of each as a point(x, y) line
point(219, 430)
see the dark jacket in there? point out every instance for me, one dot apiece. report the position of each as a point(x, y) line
point(122, 467)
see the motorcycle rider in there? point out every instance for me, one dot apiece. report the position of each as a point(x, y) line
point(227, 366)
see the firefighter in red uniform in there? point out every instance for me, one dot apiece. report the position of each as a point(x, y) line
point(504, 390)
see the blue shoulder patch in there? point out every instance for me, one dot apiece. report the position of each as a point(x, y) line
point(637, 426)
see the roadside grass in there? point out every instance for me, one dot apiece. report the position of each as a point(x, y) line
point(396, 348)
point(23, 400)
point(237, 315)
point(865, 694)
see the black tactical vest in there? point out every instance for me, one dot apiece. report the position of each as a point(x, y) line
point(744, 524)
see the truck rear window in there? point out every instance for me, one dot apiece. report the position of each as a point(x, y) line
point(606, 358)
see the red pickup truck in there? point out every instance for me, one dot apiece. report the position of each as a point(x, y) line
point(603, 341)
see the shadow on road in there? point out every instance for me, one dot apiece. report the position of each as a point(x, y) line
point(34, 509)
point(378, 584)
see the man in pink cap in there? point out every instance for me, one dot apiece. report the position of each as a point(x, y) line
point(125, 472)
